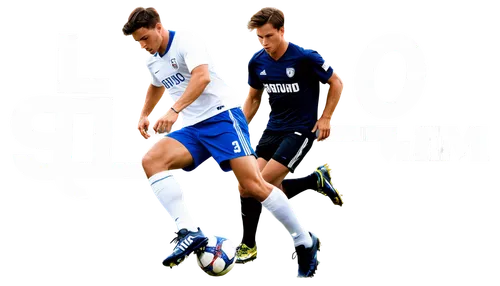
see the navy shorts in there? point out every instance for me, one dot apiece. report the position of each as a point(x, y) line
point(223, 136)
point(288, 148)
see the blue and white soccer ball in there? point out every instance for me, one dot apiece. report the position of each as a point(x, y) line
point(219, 256)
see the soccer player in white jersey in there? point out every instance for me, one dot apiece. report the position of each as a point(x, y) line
point(212, 128)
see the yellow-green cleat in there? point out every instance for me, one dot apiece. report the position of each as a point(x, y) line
point(245, 254)
point(325, 185)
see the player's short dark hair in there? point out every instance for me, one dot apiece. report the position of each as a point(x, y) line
point(141, 18)
point(267, 15)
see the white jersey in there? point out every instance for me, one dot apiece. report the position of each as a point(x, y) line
point(173, 70)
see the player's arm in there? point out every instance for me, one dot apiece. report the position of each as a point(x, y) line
point(200, 78)
point(255, 95)
point(334, 94)
point(152, 98)
point(252, 103)
point(196, 58)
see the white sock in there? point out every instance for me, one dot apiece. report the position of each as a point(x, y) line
point(277, 203)
point(168, 191)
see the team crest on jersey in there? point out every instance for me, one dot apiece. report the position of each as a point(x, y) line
point(174, 63)
point(290, 72)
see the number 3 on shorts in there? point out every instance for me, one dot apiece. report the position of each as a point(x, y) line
point(237, 148)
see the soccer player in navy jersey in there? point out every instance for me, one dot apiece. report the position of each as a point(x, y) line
point(291, 75)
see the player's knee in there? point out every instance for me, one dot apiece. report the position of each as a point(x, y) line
point(154, 162)
point(147, 160)
point(250, 186)
point(243, 192)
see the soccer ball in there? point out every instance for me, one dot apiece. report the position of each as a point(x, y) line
point(219, 256)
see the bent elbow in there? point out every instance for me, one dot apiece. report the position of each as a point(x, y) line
point(205, 79)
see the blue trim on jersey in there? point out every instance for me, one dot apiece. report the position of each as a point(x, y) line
point(171, 35)
point(171, 38)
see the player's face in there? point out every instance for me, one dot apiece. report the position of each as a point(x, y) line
point(150, 39)
point(270, 38)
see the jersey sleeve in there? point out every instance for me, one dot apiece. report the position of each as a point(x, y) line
point(320, 67)
point(194, 52)
point(253, 77)
point(154, 80)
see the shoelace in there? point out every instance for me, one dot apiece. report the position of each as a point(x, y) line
point(175, 240)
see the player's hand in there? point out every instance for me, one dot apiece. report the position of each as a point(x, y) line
point(323, 128)
point(143, 127)
point(164, 124)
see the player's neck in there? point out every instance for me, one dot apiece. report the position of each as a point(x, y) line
point(280, 51)
point(164, 42)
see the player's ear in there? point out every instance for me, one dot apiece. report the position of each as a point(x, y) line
point(282, 30)
point(158, 27)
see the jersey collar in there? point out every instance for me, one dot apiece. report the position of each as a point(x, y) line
point(171, 35)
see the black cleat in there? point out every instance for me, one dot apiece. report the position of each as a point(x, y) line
point(308, 258)
point(325, 185)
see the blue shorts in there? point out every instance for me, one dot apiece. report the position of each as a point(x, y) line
point(223, 136)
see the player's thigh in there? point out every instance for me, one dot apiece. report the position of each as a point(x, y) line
point(245, 170)
point(169, 152)
point(274, 172)
point(292, 150)
point(261, 162)
point(189, 137)
point(178, 150)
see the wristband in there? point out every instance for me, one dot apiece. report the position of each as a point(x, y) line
point(174, 110)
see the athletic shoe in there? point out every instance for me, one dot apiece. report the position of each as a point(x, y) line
point(187, 242)
point(325, 185)
point(245, 254)
point(308, 258)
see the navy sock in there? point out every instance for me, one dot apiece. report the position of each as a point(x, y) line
point(294, 187)
point(250, 214)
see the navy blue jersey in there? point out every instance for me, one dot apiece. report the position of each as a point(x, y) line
point(292, 83)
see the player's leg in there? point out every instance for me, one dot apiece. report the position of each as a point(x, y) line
point(250, 214)
point(292, 150)
point(248, 248)
point(319, 181)
point(273, 173)
point(226, 137)
point(250, 207)
point(286, 152)
point(289, 149)
point(253, 185)
point(166, 155)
